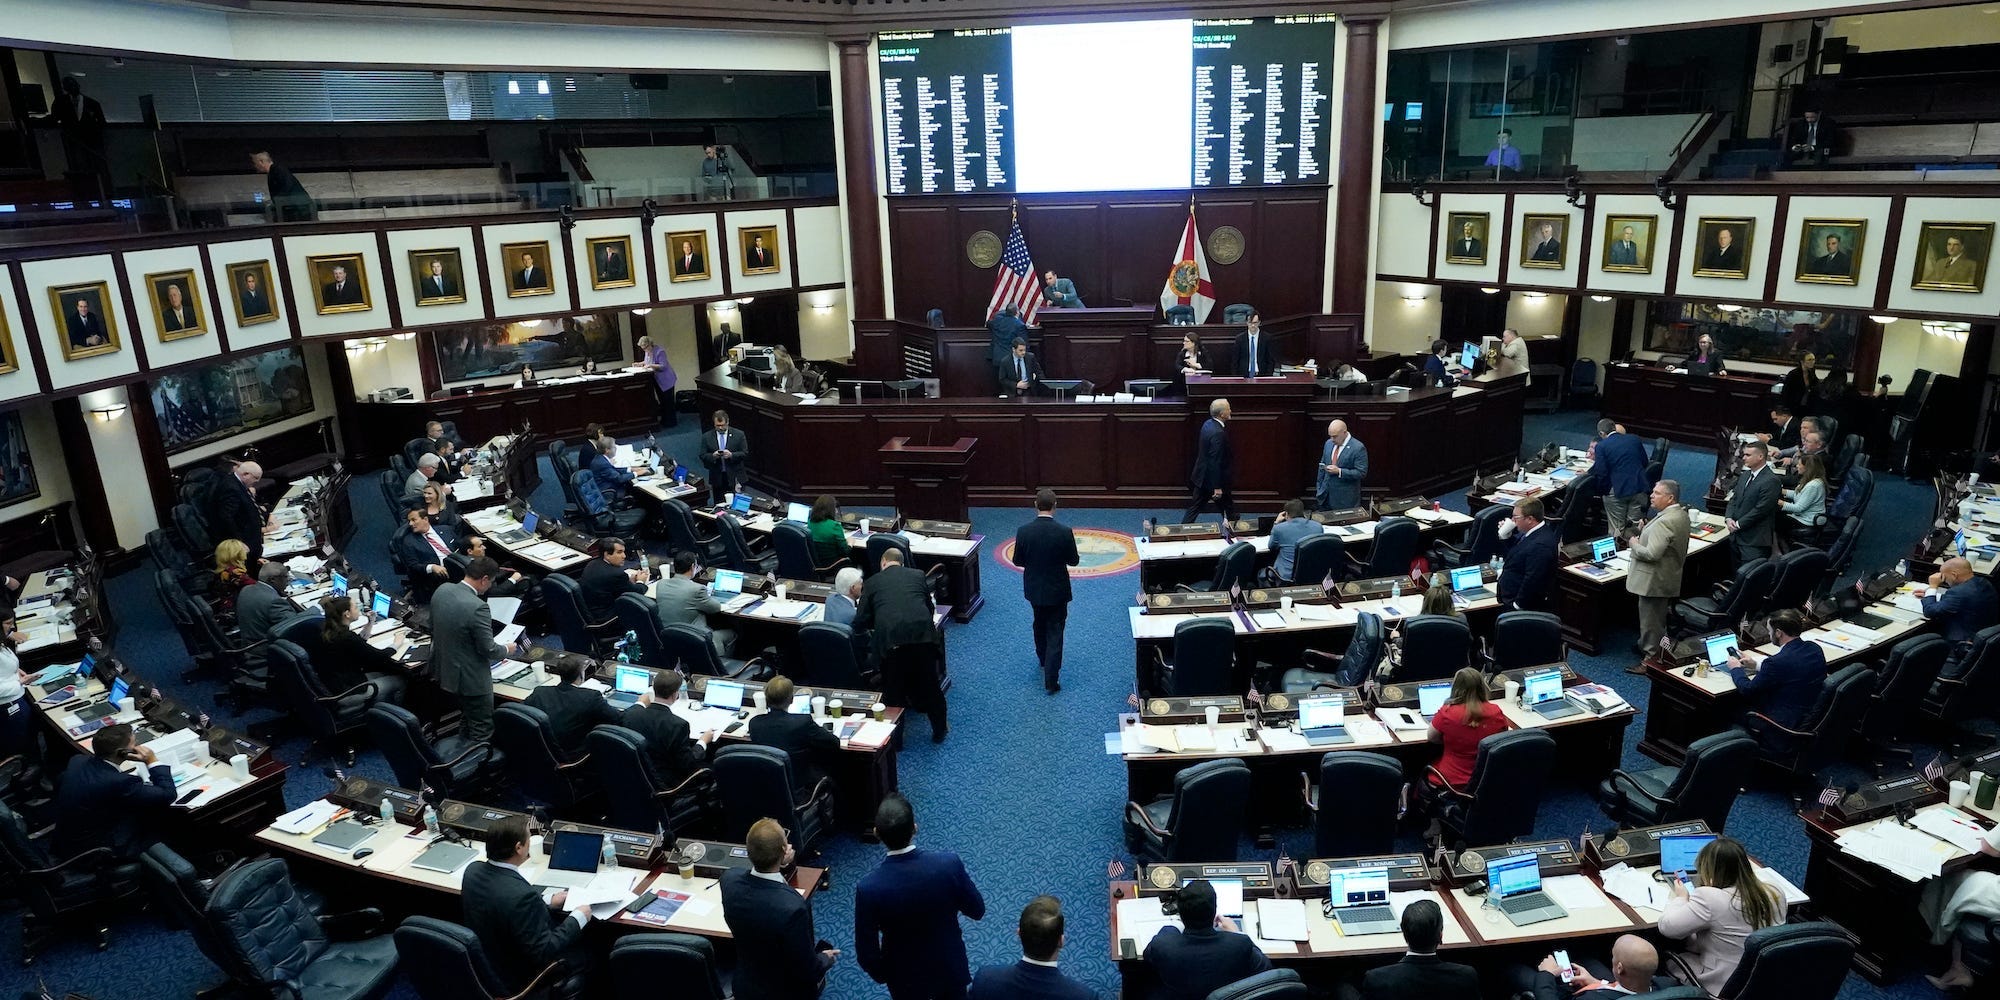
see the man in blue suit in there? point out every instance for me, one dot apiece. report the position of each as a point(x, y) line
point(1343, 465)
point(1004, 329)
point(1059, 292)
point(100, 805)
point(777, 955)
point(1960, 601)
point(1045, 549)
point(1035, 976)
point(1529, 573)
point(1784, 685)
point(906, 933)
point(1621, 470)
point(1213, 479)
point(612, 481)
point(1207, 955)
point(422, 551)
point(1437, 374)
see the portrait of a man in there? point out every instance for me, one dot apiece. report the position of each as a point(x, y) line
point(687, 256)
point(610, 262)
point(89, 324)
point(250, 291)
point(1543, 239)
point(1830, 251)
point(1466, 233)
point(1723, 248)
point(1951, 256)
point(528, 269)
point(439, 276)
point(760, 249)
point(1630, 248)
point(176, 305)
point(340, 284)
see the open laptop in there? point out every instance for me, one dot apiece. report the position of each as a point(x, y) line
point(106, 708)
point(727, 583)
point(572, 859)
point(1717, 649)
point(799, 512)
point(339, 585)
point(1432, 696)
point(1542, 691)
point(1679, 851)
point(1515, 884)
point(723, 694)
point(1323, 720)
point(1603, 549)
point(1359, 902)
point(1469, 582)
point(628, 683)
point(515, 536)
point(740, 504)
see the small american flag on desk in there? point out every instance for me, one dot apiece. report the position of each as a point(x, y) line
point(1014, 280)
point(1830, 796)
point(1934, 771)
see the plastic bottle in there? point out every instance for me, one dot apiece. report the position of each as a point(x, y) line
point(610, 853)
point(625, 648)
point(388, 810)
point(430, 819)
point(1396, 589)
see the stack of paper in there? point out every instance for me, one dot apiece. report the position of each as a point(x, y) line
point(1906, 852)
point(1281, 919)
point(872, 733)
point(1574, 892)
point(1141, 918)
point(1946, 825)
point(1281, 740)
point(1635, 887)
point(310, 816)
point(1792, 893)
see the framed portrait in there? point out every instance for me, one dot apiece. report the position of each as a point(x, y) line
point(1951, 256)
point(1629, 250)
point(176, 305)
point(438, 276)
point(527, 269)
point(89, 319)
point(1465, 237)
point(760, 249)
point(340, 283)
point(688, 256)
point(1722, 247)
point(251, 294)
point(17, 466)
point(1830, 251)
point(1545, 241)
point(610, 262)
point(9, 361)
point(198, 405)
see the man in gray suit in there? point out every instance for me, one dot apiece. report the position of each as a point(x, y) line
point(680, 599)
point(262, 605)
point(462, 647)
point(1752, 513)
point(1343, 466)
point(1659, 550)
point(1059, 293)
point(428, 467)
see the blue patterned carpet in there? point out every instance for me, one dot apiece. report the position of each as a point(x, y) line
point(1022, 790)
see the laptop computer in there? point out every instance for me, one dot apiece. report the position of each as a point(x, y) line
point(727, 583)
point(723, 694)
point(514, 536)
point(1679, 851)
point(1359, 902)
point(106, 708)
point(799, 512)
point(1469, 582)
point(628, 683)
point(1323, 720)
point(740, 504)
point(339, 585)
point(572, 859)
point(1542, 691)
point(1432, 696)
point(1602, 549)
point(1717, 648)
point(1515, 883)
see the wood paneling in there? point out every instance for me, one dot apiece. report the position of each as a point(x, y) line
point(1687, 408)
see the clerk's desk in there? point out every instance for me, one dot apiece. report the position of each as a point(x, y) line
point(1683, 708)
point(1976, 512)
point(555, 406)
point(46, 610)
point(1186, 553)
point(1546, 482)
point(1670, 403)
point(1592, 598)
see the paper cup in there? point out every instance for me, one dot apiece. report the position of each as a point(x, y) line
point(128, 704)
point(819, 706)
point(879, 710)
point(778, 592)
point(757, 698)
point(1285, 603)
point(836, 708)
point(1513, 689)
point(239, 765)
point(1213, 713)
point(864, 525)
point(1956, 793)
point(541, 671)
point(535, 844)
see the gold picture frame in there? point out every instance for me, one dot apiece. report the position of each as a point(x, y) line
point(1545, 250)
point(1722, 247)
point(529, 276)
point(610, 262)
point(91, 331)
point(340, 283)
point(1830, 251)
point(9, 361)
point(176, 320)
point(1468, 237)
point(1629, 250)
point(438, 275)
point(757, 250)
point(251, 293)
point(689, 262)
point(1938, 270)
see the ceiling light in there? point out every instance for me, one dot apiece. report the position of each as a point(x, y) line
point(1600, 298)
point(406, 336)
point(1884, 320)
point(1490, 290)
point(112, 412)
point(746, 300)
point(642, 311)
point(1728, 307)
point(1534, 295)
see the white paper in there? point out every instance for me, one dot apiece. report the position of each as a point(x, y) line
point(613, 885)
point(873, 733)
point(306, 817)
point(181, 746)
point(1959, 833)
point(1792, 893)
point(1282, 919)
point(1635, 887)
point(1283, 739)
point(213, 786)
point(1399, 900)
point(1140, 918)
point(509, 634)
point(504, 608)
point(1574, 892)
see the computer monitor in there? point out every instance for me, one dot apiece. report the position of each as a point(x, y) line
point(380, 606)
point(1467, 578)
point(740, 503)
point(1717, 648)
point(1678, 851)
point(1361, 886)
point(1228, 895)
point(85, 666)
point(1468, 354)
point(723, 694)
point(631, 679)
point(1322, 711)
point(1541, 686)
point(119, 689)
point(1512, 876)
point(1603, 548)
point(1431, 697)
point(530, 521)
point(339, 585)
point(799, 512)
point(728, 581)
point(575, 851)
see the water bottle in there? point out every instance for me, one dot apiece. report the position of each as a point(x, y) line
point(388, 811)
point(430, 820)
point(642, 561)
point(1396, 588)
point(610, 853)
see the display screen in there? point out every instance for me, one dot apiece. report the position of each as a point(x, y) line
point(1718, 647)
point(1513, 876)
point(1109, 106)
point(1363, 886)
point(1603, 548)
point(1543, 685)
point(1323, 712)
point(1466, 578)
point(1678, 852)
point(1431, 697)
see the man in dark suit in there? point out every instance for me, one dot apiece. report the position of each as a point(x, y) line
point(340, 290)
point(1529, 574)
point(1002, 331)
point(236, 512)
point(613, 481)
point(1208, 955)
point(288, 197)
point(1788, 426)
point(906, 933)
point(668, 743)
point(1784, 685)
point(1724, 254)
point(1547, 249)
point(779, 956)
point(606, 577)
point(1045, 549)
point(758, 255)
point(1955, 597)
point(813, 750)
point(262, 605)
point(1809, 140)
point(897, 611)
point(1752, 513)
point(1213, 479)
point(1420, 976)
point(529, 276)
point(722, 453)
point(1633, 962)
point(423, 550)
point(1020, 371)
point(252, 300)
point(611, 265)
point(176, 313)
point(437, 284)
point(1833, 260)
point(84, 325)
point(1254, 356)
point(521, 934)
point(687, 262)
point(1035, 976)
point(462, 647)
point(100, 805)
point(1625, 249)
point(573, 711)
point(1468, 244)
point(1620, 470)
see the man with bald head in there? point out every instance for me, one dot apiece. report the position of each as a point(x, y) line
point(1343, 465)
point(1634, 960)
point(236, 514)
point(1961, 602)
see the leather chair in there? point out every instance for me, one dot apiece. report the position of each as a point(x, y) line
point(684, 536)
point(1366, 792)
point(1978, 941)
point(87, 888)
point(1434, 648)
point(1397, 541)
point(638, 615)
point(737, 551)
point(1704, 787)
point(278, 946)
point(1582, 383)
point(878, 543)
point(1656, 470)
point(1204, 660)
point(1499, 803)
point(1731, 601)
point(793, 543)
point(563, 597)
point(416, 448)
point(1822, 734)
point(1482, 540)
point(691, 650)
point(1236, 566)
point(597, 514)
point(1675, 993)
point(392, 494)
point(1527, 639)
point(1904, 678)
point(330, 718)
point(1840, 554)
point(1968, 688)
point(641, 962)
point(756, 781)
point(1799, 573)
point(401, 468)
point(194, 531)
point(1582, 513)
point(1237, 312)
point(183, 894)
point(1356, 664)
point(537, 763)
point(1795, 961)
point(1271, 984)
point(445, 961)
point(453, 767)
point(1202, 818)
point(1180, 315)
point(1317, 558)
point(562, 458)
point(1852, 499)
point(638, 795)
point(830, 657)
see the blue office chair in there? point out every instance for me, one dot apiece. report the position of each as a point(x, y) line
point(563, 597)
point(1582, 380)
point(280, 947)
point(1907, 676)
point(1180, 315)
point(685, 537)
point(757, 781)
point(86, 889)
point(691, 650)
point(793, 544)
point(1237, 312)
point(596, 512)
point(830, 656)
point(1397, 541)
point(1499, 802)
point(1527, 639)
point(1204, 660)
point(1824, 732)
point(1317, 558)
point(639, 615)
point(453, 767)
point(541, 770)
point(1202, 818)
point(445, 961)
point(639, 795)
point(737, 551)
point(1806, 961)
point(641, 962)
point(1272, 984)
point(1368, 791)
point(1731, 601)
point(1235, 567)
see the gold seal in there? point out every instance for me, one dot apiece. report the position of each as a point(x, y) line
point(1260, 595)
point(1617, 847)
point(1225, 244)
point(1392, 692)
point(1318, 873)
point(1162, 600)
point(1471, 861)
point(452, 811)
point(1162, 876)
point(983, 249)
point(1159, 706)
point(1278, 702)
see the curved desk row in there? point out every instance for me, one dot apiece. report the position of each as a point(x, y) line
point(622, 401)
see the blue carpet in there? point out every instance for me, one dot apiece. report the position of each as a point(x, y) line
point(1022, 790)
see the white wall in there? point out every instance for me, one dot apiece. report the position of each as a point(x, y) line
point(390, 363)
point(1404, 327)
point(1906, 348)
point(45, 450)
point(1537, 317)
point(1978, 24)
point(823, 326)
point(116, 446)
point(672, 327)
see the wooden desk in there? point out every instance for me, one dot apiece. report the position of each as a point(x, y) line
point(1655, 402)
point(1593, 598)
point(1878, 908)
point(958, 557)
point(555, 407)
point(1165, 563)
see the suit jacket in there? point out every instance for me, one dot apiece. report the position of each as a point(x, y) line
point(840, 608)
point(462, 646)
point(1214, 460)
point(83, 328)
point(1025, 980)
point(1514, 358)
point(1621, 465)
point(610, 478)
point(1547, 986)
point(611, 268)
point(906, 929)
point(1840, 262)
point(254, 303)
point(673, 753)
point(1467, 248)
point(719, 468)
point(259, 607)
point(237, 516)
point(1062, 294)
point(1421, 977)
point(678, 600)
point(1721, 258)
point(1659, 554)
point(1787, 682)
point(1963, 609)
point(1549, 250)
point(1002, 330)
point(1437, 374)
point(1625, 252)
point(1007, 377)
point(521, 934)
point(437, 287)
point(1527, 581)
point(1960, 270)
point(1754, 507)
point(345, 293)
point(1045, 549)
point(99, 805)
point(757, 257)
point(896, 608)
point(185, 319)
point(813, 750)
point(1341, 490)
point(573, 712)
point(687, 264)
point(771, 923)
point(1193, 964)
point(1696, 366)
point(531, 277)
point(1786, 436)
point(602, 583)
point(1266, 359)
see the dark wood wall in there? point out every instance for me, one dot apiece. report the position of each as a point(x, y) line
point(1116, 246)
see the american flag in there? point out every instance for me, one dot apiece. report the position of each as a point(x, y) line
point(1830, 796)
point(1014, 280)
point(1934, 771)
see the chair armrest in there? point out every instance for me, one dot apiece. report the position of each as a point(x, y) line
point(1783, 729)
point(95, 856)
point(536, 985)
point(822, 790)
point(1632, 784)
point(365, 687)
point(1443, 785)
point(476, 748)
point(700, 776)
point(1686, 971)
point(240, 650)
point(1306, 793)
point(1133, 811)
point(354, 924)
point(754, 667)
point(572, 765)
point(835, 566)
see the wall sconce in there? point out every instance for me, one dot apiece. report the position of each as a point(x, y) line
point(643, 310)
point(746, 300)
point(1728, 307)
point(724, 306)
point(822, 309)
point(1535, 296)
point(109, 413)
point(1415, 301)
point(1490, 290)
point(406, 336)
point(1884, 320)
point(1600, 298)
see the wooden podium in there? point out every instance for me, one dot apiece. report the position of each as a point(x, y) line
point(929, 479)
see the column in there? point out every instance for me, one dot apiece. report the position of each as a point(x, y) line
point(1355, 190)
point(864, 221)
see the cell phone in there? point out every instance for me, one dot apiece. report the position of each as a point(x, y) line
point(1568, 972)
point(1733, 651)
point(1689, 672)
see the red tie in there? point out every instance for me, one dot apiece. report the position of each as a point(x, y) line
point(436, 543)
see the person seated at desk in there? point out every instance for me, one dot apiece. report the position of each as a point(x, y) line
point(1437, 598)
point(611, 480)
point(1634, 961)
point(778, 955)
point(1465, 719)
point(1205, 953)
point(1019, 371)
point(906, 930)
point(520, 933)
point(1786, 437)
point(100, 804)
point(679, 599)
point(1420, 975)
point(1193, 360)
point(434, 431)
point(573, 710)
point(17, 708)
point(1811, 442)
point(846, 596)
point(1809, 140)
point(422, 551)
point(785, 374)
point(1705, 360)
point(1002, 331)
point(262, 605)
point(508, 583)
point(1059, 293)
point(1254, 356)
point(1784, 685)
point(448, 463)
point(1035, 976)
point(1968, 892)
point(345, 660)
point(230, 576)
point(813, 749)
point(1961, 603)
point(1292, 528)
point(606, 577)
point(426, 472)
point(828, 537)
point(1437, 373)
point(586, 450)
point(1528, 570)
point(1716, 914)
point(441, 507)
point(674, 752)
point(1804, 506)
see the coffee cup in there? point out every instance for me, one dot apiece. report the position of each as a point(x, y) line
point(1956, 793)
point(1285, 604)
point(128, 704)
point(541, 671)
point(778, 592)
point(757, 698)
point(879, 710)
point(1513, 688)
point(535, 844)
point(836, 708)
point(1213, 713)
point(819, 706)
point(239, 766)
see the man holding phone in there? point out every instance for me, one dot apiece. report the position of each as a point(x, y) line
point(103, 805)
point(1784, 685)
point(1633, 963)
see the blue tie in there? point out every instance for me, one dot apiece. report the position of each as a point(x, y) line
point(1253, 354)
point(1020, 369)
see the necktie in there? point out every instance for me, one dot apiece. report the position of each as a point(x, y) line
point(1020, 370)
point(1253, 354)
point(436, 542)
point(721, 441)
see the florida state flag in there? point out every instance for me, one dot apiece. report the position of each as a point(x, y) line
point(1187, 283)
